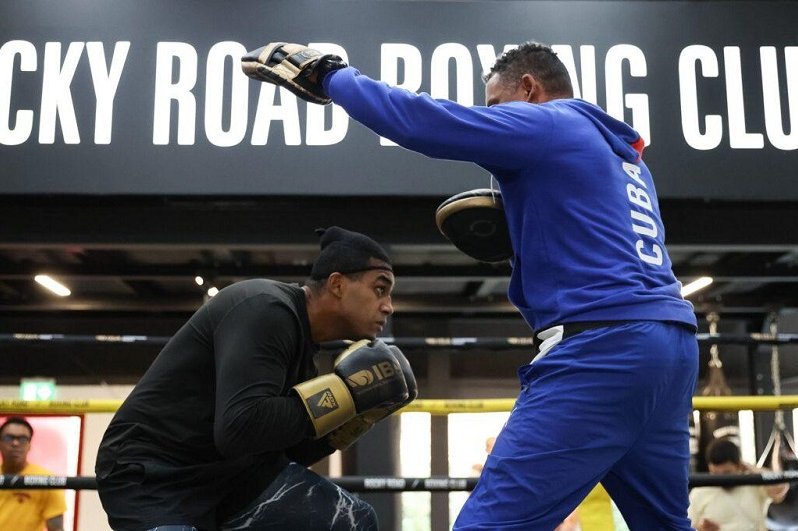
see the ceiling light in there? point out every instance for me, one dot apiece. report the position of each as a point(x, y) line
point(212, 291)
point(199, 280)
point(697, 284)
point(53, 285)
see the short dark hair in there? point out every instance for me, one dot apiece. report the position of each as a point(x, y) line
point(722, 451)
point(536, 59)
point(347, 252)
point(17, 420)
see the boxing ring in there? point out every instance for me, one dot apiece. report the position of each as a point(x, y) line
point(402, 484)
point(435, 407)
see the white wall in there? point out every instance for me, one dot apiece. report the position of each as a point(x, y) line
point(91, 516)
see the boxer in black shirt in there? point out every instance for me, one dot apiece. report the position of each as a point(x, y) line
point(218, 432)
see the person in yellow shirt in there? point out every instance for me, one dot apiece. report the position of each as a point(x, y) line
point(32, 509)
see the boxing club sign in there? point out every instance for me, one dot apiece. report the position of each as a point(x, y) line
point(713, 107)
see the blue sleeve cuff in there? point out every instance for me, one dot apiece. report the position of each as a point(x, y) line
point(325, 83)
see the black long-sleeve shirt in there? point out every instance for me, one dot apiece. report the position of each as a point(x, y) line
point(212, 420)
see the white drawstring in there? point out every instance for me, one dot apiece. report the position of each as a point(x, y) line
point(549, 338)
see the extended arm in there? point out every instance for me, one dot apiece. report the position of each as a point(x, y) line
point(506, 136)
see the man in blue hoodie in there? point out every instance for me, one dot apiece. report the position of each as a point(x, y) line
point(608, 393)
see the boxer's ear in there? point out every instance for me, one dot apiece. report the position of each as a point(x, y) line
point(336, 284)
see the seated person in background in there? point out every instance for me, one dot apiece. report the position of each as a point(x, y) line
point(30, 509)
point(740, 508)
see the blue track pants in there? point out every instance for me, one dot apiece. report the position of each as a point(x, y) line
point(607, 405)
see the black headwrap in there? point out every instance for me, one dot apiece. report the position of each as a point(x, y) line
point(346, 252)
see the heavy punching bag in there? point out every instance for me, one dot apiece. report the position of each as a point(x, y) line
point(715, 424)
point(779, 454)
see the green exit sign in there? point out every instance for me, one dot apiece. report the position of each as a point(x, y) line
point(37, 389)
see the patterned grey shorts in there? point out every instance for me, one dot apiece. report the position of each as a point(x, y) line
point(299, 499)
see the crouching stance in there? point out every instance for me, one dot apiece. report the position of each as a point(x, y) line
point(219, 431)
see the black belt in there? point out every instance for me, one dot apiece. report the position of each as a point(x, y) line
point(571, 329)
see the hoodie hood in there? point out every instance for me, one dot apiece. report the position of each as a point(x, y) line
point(625, 141)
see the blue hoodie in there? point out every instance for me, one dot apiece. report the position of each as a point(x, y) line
point(580, 203)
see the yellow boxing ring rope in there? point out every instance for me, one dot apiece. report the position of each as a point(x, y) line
point(432, 406)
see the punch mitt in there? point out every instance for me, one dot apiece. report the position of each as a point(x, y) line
point(296, 67)
point(474, 222)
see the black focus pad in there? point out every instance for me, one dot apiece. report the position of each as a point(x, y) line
point(474, 222)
